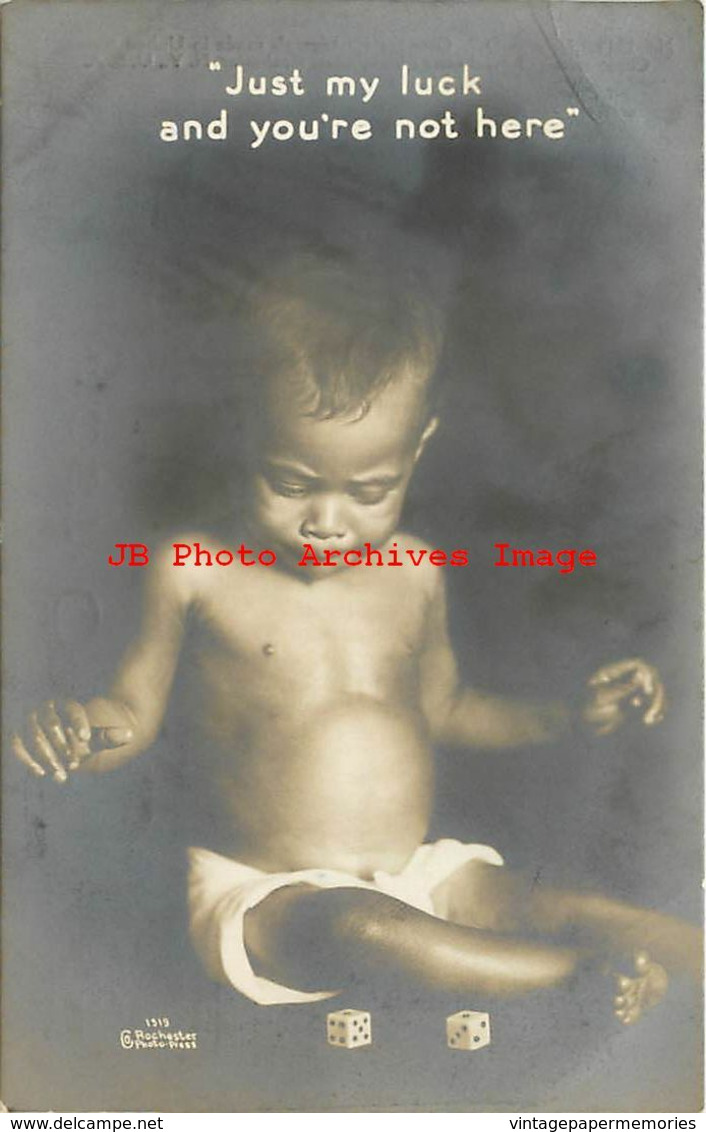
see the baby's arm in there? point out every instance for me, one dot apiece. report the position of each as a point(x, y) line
point(108, 731)
point(467, 717)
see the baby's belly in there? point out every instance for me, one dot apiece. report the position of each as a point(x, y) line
point(348, 789)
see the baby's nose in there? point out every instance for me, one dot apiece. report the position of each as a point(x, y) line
point(324, 520)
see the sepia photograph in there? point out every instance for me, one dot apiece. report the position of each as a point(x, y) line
point(352, 611)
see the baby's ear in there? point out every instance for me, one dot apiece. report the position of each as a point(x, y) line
point(429, 430)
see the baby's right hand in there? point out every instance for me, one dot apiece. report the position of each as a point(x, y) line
point(58, 737)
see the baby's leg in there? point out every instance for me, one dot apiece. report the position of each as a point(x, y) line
point(502, 900)
point(316, 939)
point(595, 920)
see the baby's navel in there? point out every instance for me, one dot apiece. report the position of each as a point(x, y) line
point(268, 649)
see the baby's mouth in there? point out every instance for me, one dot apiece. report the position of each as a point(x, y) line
point(312, 559)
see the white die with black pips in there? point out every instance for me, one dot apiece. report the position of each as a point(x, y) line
point(348, 1029)
point(468, 1029)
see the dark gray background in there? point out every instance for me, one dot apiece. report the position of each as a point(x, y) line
point(571, 274)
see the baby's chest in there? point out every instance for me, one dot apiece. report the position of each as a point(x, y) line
point(330, 624)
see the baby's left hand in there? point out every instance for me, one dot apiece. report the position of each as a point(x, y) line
point(618, 691)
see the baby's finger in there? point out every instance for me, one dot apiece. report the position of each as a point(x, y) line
point(606, 728)
point(108, 738)
point(656, 710)
point(78, 720)
point(604, 701)
point(610, 672)
point(43, 748)
point(78, 749)
point(603, 717)
point(20, 752)
point(613, 694)
point(50, 722)
point(647, 678)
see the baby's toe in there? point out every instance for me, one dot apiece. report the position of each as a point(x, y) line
point(624, 1013)
point(630, 1017)
point(628, 990)
point(642, 962)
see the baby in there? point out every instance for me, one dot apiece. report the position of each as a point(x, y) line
point(326, 689)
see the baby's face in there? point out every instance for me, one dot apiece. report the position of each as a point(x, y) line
point(338, 483)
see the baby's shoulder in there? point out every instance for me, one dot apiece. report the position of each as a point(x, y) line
point(421, 560)
point(177, 559)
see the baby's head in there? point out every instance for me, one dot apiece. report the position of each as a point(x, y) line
point(346, 405)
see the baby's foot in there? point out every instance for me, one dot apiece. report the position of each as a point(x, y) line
point(638, 992)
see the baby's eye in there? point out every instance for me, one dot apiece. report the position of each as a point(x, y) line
point(369, 496)
point(291, 490)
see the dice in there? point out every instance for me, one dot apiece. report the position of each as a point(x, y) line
point(468, 1029)
point(348, 1029)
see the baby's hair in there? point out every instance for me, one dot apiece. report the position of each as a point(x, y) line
point(339, 331)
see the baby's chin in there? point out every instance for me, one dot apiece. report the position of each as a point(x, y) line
point(310, 561)
point(301, 559)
